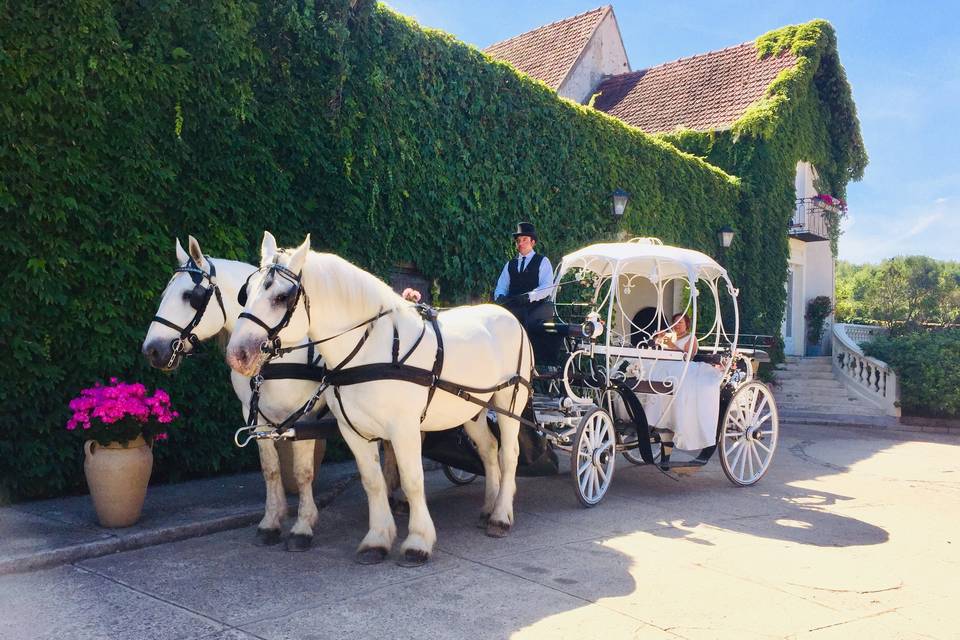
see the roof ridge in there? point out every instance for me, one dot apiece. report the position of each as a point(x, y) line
point(550, 24)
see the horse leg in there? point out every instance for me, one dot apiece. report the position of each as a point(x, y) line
point(301, 535)
point(268, 531)
point(487, 446)
point(421, 535)
point(383, 530)
point(398, 502)
point(502, 517)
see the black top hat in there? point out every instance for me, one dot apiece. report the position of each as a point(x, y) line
point(525, 229)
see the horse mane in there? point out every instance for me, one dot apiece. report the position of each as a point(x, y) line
point(221, 340)
point(352, 285)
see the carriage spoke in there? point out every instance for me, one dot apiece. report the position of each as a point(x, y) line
point(765, 403)
point(584, 479)
point(583, 467)
point(742, 460)
point(736, 459)
point(763, 446)
point(760, 460)
point(603, 475)
point(737, 443)
point(750, 452)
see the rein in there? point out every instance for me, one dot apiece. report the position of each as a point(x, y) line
point(199, 299)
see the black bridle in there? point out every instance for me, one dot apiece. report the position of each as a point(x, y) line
point(199, 299)
point(271, 346)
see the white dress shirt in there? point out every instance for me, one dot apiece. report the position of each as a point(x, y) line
point(544, 282)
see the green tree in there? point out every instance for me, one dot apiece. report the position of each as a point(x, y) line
point(906, 291)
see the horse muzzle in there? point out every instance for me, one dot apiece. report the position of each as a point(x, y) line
point(160, 355)
point(246, 359)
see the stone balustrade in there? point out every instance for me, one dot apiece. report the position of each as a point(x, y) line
point(869, 378)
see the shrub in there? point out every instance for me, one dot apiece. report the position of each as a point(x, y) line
point(927, 367)
point(818, 310)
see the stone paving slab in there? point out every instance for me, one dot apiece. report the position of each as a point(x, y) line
point(70, 602)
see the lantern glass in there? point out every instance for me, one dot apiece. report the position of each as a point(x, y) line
point(619, 202)
point(725, 235)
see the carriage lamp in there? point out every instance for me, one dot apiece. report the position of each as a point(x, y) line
point(618, 205)
point(725, 235)
point(592, 326)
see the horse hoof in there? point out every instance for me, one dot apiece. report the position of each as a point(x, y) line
point(413, 558)
point(267, 537)
point(299, 542)
point(483, 521)
point(498, 529)
point(371, 555)
point(399, 507)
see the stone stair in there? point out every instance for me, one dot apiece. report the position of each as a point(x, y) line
point(807, 392)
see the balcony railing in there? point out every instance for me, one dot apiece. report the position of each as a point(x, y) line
point(808, 223)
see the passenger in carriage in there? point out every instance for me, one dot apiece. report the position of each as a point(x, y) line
point(526, 281)
point(678, 338)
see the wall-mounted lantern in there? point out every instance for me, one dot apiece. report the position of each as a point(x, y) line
point(725, 236)
point(618, 205)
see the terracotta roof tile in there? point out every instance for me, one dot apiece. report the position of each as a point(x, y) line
point(547, 53)
point(703, 92)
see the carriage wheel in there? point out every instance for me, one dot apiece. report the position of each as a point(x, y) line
point(748, 435)
point(592, 457)
point(633, 455)
point(458, 476)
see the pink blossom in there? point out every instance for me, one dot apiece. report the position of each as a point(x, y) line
point(101, 406)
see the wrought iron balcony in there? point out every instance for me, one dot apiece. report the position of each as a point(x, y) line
point(808, 223)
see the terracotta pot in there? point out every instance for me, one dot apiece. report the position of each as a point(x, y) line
point(285, 452)
point(117, 475)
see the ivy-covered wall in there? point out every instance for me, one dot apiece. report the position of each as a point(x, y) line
point(807, 114)
point(124, 125)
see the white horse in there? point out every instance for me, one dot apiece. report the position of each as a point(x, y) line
point(278, 398)
point(484, 346)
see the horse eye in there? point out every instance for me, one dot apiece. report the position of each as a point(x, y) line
point(281, 299)
point(186, 296)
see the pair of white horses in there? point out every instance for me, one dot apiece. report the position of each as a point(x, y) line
point(339, 304)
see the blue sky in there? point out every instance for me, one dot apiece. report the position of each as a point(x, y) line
point(902, 60)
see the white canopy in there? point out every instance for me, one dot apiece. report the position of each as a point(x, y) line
point(644, 257)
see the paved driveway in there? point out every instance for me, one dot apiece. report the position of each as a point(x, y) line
point(851, 535)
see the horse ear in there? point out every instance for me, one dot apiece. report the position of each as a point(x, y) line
point(268, 248)
point(299, 256)
point(195, 252)
point(182, 256)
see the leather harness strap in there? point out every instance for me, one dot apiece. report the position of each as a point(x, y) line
point(397, 370)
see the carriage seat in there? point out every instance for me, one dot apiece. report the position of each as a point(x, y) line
point(547, 339)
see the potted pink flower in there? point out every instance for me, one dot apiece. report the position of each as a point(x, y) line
point(121, 422)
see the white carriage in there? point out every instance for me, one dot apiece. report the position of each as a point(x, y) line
point(607, 382)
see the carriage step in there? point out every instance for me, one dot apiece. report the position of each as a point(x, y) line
point(687, 464)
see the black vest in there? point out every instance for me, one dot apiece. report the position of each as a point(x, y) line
point(528, 280)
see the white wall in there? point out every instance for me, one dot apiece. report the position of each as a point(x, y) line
point(603, 56)
point(815, 260)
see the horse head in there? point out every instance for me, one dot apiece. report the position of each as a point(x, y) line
point(191, 310)
point(274, 307)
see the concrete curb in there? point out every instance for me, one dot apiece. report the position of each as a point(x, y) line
point(84, 551)
point(868, 424)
